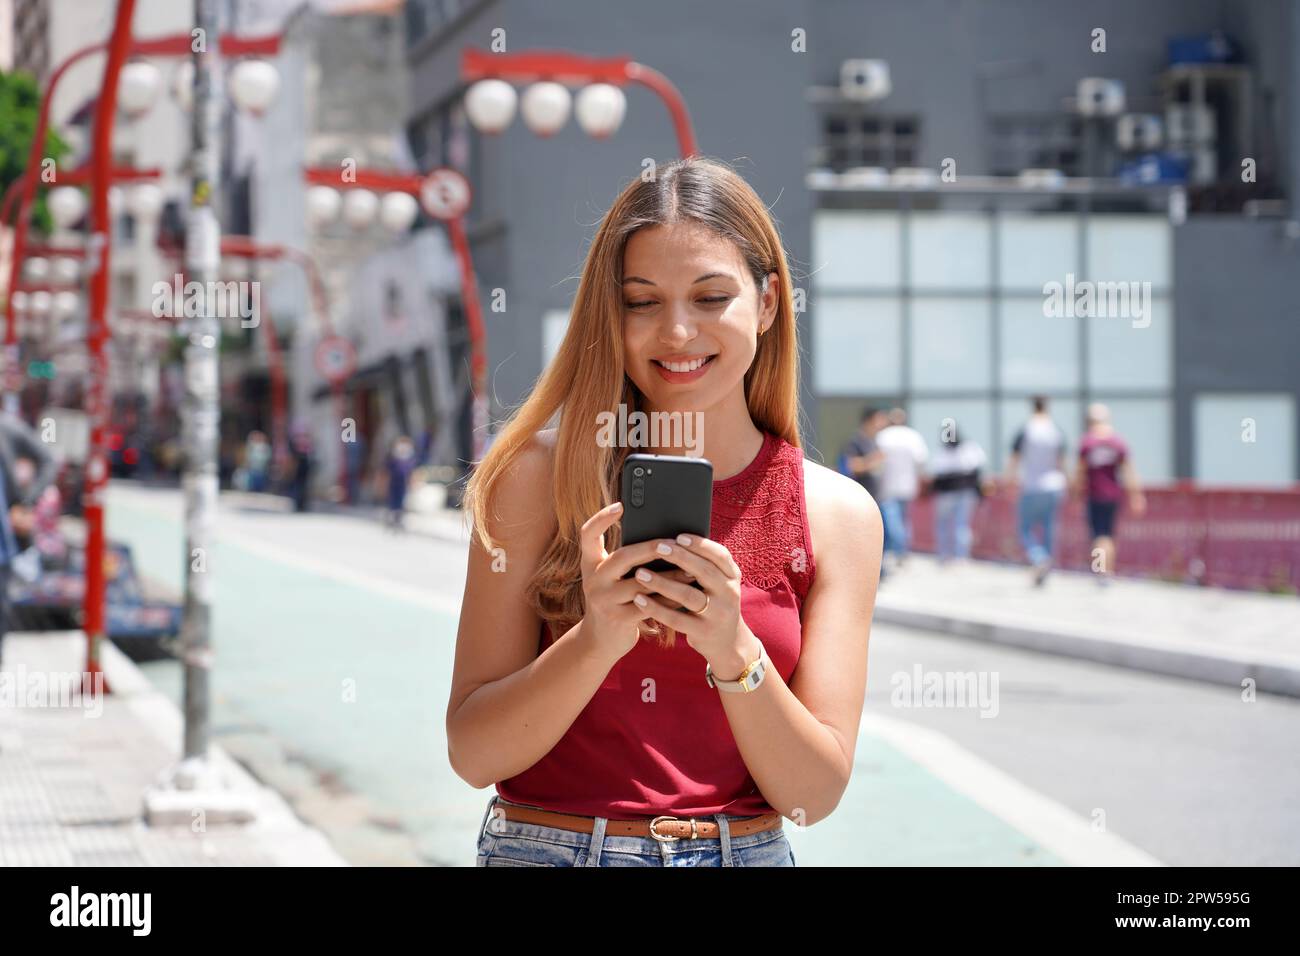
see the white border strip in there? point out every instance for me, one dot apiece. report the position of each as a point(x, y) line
point(1053, 826)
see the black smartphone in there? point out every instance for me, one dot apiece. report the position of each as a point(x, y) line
point(664, 496)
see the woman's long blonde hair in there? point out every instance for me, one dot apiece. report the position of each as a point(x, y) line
point(587, 376)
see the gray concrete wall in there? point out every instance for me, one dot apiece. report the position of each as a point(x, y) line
point(1236, 285)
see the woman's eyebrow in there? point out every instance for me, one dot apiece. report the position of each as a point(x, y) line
point(706, 276)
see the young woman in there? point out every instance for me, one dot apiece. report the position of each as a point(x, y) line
point(580, 689)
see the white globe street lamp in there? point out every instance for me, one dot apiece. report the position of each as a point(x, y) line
point(600, 108)
point(253, 85)
point(490, 105)
point(397, 211)
point(145, 202)
point(546, 107)
point(40, 303)
point(137, 87)
point(65, 304)
point(323, 203)
point(21, 301)
point(66, 270)
point(37, 269)
point(67, 204)
point(359, 208)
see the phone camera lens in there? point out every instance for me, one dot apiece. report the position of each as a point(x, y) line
point(638, 472)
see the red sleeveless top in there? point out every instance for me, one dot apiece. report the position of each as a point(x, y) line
point(654, 739)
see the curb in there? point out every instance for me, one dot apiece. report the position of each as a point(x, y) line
point(1201, 662)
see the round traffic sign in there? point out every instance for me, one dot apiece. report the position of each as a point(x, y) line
point(445, 194)
point(336, 359)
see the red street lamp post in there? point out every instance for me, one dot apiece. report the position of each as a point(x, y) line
point(445, 195)
point(119, 46)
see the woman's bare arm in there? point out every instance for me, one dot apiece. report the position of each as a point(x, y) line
point(798, 741)
point(509, 706)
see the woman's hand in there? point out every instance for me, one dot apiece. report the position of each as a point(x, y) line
point(711, 620)
point(612, 619)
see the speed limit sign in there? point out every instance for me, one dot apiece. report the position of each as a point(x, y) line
point(336, 359)
point(445, 194)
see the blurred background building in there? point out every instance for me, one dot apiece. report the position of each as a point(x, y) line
point(933, 167)
point(1122, 165)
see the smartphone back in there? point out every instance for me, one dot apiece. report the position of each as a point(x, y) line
point(664, 496)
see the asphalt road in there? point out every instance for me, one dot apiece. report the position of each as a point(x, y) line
point(336, 637)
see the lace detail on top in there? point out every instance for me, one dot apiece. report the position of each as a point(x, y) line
point(759, 516)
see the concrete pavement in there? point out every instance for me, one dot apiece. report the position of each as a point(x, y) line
point(1209, 634)
point(74, 769)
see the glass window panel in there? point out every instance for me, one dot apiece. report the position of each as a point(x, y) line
point(856, 344)
point(1035, 250)
point(1146, 425)
point(949, 250)
point(1130, 249)
point(1130, 353)
point(856, 250)
point(1014, 412)
point(1037, 351)
point(950, 340)
point(1245, 439)
point(972, 416)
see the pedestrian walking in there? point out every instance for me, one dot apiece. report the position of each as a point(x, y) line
point(401, 463)
point(257, 461)
point(354, 466)
point(956, 483)
point(905, 452)
point(1037, 465)
point(300, 480)
point(1105, 474)
point(860, 458)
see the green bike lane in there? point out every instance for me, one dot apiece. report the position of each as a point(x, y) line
point(351, 670)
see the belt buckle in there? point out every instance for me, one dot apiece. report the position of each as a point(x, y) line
point(670, 839)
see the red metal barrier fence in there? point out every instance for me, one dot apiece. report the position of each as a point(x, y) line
point(1215, 536)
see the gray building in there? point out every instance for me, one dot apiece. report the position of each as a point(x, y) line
point(925, 250)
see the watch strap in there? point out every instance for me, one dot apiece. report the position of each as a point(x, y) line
point(750, 678)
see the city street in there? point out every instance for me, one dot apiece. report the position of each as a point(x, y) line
point(334, 638)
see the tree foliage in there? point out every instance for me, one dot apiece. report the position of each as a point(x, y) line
point(20, 104)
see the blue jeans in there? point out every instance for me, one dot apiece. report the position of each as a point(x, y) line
point(1038, 510)
point(952, 514)
point(894, 514)
point(503, 842)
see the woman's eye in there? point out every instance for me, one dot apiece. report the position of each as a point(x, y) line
point(641, 304)
point(717, 299)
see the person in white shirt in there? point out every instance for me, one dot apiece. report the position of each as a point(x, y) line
point(1037, 464)
point(905, 453)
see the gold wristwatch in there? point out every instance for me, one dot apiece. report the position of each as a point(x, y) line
point(749, 678)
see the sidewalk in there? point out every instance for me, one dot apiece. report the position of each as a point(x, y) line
point(72, 778)
point(1208, 634)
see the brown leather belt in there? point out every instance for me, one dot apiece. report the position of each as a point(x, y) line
point(664, 828)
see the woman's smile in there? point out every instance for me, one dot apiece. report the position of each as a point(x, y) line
point(684, 369)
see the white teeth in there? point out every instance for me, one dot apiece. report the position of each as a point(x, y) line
point(683, 366)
